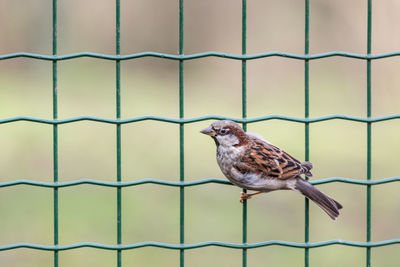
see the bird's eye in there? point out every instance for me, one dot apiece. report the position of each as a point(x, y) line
point(223, 131)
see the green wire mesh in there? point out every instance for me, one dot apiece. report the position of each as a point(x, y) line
point(182, 121)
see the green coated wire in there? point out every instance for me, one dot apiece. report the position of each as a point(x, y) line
point(55, 133)
point(181, 139)
point(369, 34)
point(203, 244)
point(307, 126)
point(201, 55)
point(203, 118)
point(244, 116)
point(118, 127)
point(181, 183)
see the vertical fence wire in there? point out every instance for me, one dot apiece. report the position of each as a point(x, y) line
point(244, 115)
point(118, 127)
point(181, 141)
point(55, 134)
point(307, 126)
point(369, 31)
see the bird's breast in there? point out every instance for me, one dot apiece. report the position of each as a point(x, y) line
point(227, 156)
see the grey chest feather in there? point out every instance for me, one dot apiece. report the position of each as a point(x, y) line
point(227, 156)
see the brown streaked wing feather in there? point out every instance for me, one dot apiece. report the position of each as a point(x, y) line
point(270, 160)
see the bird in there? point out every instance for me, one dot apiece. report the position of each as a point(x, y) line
point(251, 162)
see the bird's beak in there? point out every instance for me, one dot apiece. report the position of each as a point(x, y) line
point(208, 131)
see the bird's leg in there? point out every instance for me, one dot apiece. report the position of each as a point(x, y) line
point(244, 196)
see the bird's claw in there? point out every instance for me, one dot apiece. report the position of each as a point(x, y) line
point(244, 196)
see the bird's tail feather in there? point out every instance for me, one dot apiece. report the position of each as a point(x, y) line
point(329, 205)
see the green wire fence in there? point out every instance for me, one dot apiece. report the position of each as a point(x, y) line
point(182, 246)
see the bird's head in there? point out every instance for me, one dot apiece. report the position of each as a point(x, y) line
point(226, 133)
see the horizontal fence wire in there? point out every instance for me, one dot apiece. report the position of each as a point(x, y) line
point(198, 119)
point(180, 183)
point(205, 244)
point(201, 55)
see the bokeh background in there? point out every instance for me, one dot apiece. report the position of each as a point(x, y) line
point(212, 87)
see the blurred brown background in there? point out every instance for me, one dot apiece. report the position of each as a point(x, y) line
point(150, 149)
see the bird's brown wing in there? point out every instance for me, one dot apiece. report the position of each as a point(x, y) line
point(270, 161)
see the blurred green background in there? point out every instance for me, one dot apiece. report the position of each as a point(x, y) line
point(212, 87)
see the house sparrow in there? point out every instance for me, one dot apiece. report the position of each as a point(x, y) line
point(253, 163)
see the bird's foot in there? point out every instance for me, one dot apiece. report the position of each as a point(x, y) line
point(244, 196)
